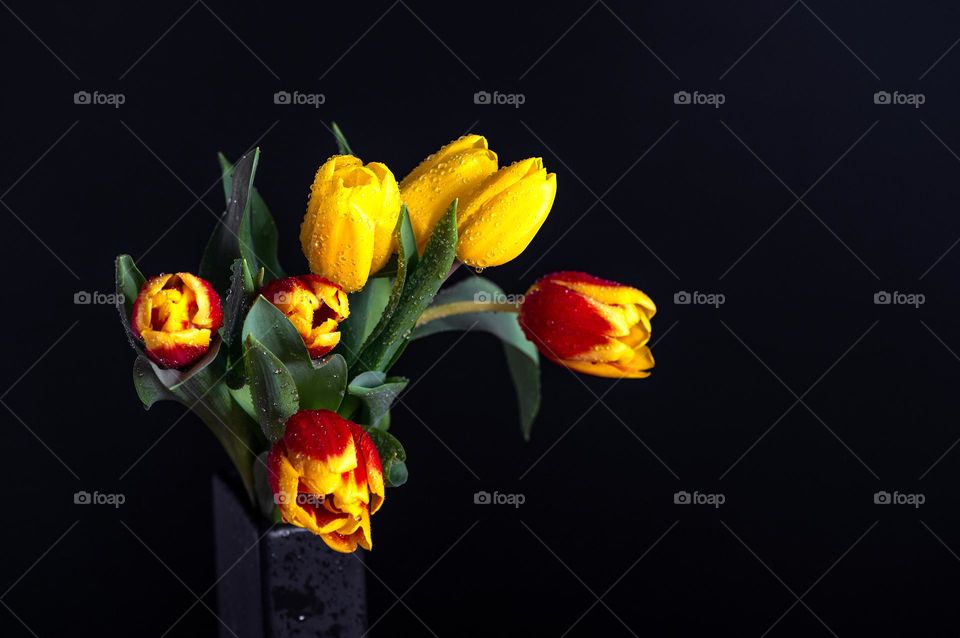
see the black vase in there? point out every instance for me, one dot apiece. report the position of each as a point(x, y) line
point(281, 582)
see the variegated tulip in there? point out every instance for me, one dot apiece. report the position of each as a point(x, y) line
point(315, 307)
point(326, 477)
point(176, 317)
point(590, 325)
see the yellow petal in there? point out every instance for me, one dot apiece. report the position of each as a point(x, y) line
point(451, 173)
point(463, 144)
point(608, 370)
point(339, 241)
point(385, 216)
point(504, 225)
point(619, 295)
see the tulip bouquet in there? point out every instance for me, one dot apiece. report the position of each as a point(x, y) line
point(291, 372)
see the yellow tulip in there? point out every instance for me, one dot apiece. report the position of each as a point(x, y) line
point(499, 218)
point(347, 233)
point(451, 172)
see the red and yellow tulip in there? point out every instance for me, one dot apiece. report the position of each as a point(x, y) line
point(590, 325)
point(326, 477)
point(347, 232)
point(176, 317)
point(315, 307)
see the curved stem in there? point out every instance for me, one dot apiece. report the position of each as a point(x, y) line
point(462, 308)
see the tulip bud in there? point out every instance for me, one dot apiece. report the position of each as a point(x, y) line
point(590, 325)
point(176, 317)
point(315, 307)
point(451, 172)
point(347, 233)
point(499, 218)
point(325, 475)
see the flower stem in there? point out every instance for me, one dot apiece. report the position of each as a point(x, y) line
point(462, 308)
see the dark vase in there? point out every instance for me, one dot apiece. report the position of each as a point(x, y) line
point(283, 582)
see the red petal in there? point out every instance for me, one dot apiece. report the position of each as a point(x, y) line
point(561, 322)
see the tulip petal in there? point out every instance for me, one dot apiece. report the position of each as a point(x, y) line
point(452, 172)
point(607, 370)
point(347, 230)
point(467, 143)
point(340, 246)
point(502, 218)
point(604, 290)
point(176, 316)
point(385, 216)
point(562, 323)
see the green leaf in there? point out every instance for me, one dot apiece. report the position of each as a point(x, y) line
point(272, 388)
point(240, 296)
point(227, 243)
point(265, 235)
point(421, 285)
point(377, 391)
point(392, 457)
point(244, 399)
point(238, 300)
point(366, 308)
point(149, 387)
point(406, 240)
point(226, 176)
point(129, 281)
point(406, 260)
point(173, 379)
point(321, 384)
point(342, 147)
point(324, 383)
point(397, 474)
point(389, 270)
point(262, 227)
point(522, 358)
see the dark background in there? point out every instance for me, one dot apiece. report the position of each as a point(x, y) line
point(797, 399)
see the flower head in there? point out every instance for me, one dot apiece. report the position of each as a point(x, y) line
point(326, 477)
point(500, 217)
point(590, 325)
point(442, 177)
point(176, 316)
point(347, 233)
point(315, 307)
point(499, 211)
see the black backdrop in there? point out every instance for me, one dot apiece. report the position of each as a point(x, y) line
point(797, 399)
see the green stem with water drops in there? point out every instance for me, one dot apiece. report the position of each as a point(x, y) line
point(462, 308)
